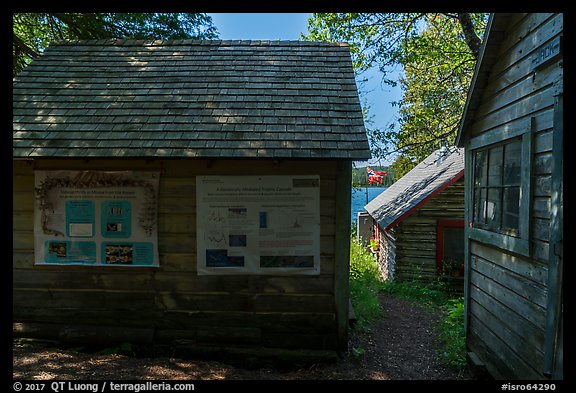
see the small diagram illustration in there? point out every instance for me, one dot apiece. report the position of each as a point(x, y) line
point(116, 218)
point(220, 258)
point(282, 218)
point(263, 220)
point(216, 217)
point(80, 218)
point(237, 240)
point(215, 238)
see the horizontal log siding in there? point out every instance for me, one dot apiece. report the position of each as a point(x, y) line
point(172, 300)
point(507, 292)
point(416, 236)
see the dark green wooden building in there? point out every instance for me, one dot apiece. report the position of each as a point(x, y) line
point(512, 130)
point(193, 112)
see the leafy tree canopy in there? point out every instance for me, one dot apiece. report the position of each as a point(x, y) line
point(32, 32)
point(437, 53)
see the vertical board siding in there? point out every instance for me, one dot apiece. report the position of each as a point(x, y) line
point(170, 298)
point(507, 294)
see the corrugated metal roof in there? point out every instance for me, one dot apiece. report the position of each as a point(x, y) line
point(186, 98)
point(433, 174)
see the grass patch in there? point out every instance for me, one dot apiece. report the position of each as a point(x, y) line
point(452, 335)
point(432, 295)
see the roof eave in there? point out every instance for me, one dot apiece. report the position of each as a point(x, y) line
point(424, 200)
point(493, 35)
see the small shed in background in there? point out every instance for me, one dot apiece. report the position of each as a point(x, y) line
point(419, 221)
point(185, 191)
point(512, 130)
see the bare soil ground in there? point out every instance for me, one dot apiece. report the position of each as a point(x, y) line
point(401, 346)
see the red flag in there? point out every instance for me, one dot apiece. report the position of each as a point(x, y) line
point(375, 177)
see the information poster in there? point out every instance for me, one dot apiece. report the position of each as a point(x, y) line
point(258, 224)
point(96, 218)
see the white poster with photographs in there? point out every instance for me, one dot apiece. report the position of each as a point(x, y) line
point(258, 224)
point(103, 218)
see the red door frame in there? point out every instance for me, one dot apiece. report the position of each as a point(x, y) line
point(440, 225)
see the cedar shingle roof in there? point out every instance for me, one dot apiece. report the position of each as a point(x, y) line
point(186, 98)
point(433, 174)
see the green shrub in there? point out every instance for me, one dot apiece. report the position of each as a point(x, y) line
point(364, 285)
point(452, 334)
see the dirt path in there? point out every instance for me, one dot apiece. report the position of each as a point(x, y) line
point(401, 346)
point(404, 344)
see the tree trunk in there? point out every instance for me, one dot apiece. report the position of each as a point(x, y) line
point(472, 40)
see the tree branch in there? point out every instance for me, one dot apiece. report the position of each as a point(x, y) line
point(22, 45)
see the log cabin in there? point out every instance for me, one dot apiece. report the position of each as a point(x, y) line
point(418, 222)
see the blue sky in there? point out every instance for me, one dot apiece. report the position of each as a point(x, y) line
point(265, 26)
point(288, 26)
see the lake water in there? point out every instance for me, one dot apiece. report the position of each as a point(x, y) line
point(359, 199)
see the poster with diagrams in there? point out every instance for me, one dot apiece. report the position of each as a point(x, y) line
point(96, 217)
point(258, 224)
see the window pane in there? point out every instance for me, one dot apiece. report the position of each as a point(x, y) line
point(511, 208)
point(495, 166)
point(454, 244)
point(480, 205)
point(512, 161)
point(480, 168)
point(493, 208)
point(497, 181)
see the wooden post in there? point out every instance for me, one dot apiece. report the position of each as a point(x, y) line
point(553, 347)
point(468, 204)
point(367, 201)
point(342, 251)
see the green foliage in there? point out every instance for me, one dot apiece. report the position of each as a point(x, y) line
point(438, 69)
point(374, 38)
point(358, 352)
point(32, 32)
point(437, 58)
point(401, 166)
point(359, 178)
point(363, 264)
point(364, 285)
point(452, 335)
point(428, 294)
